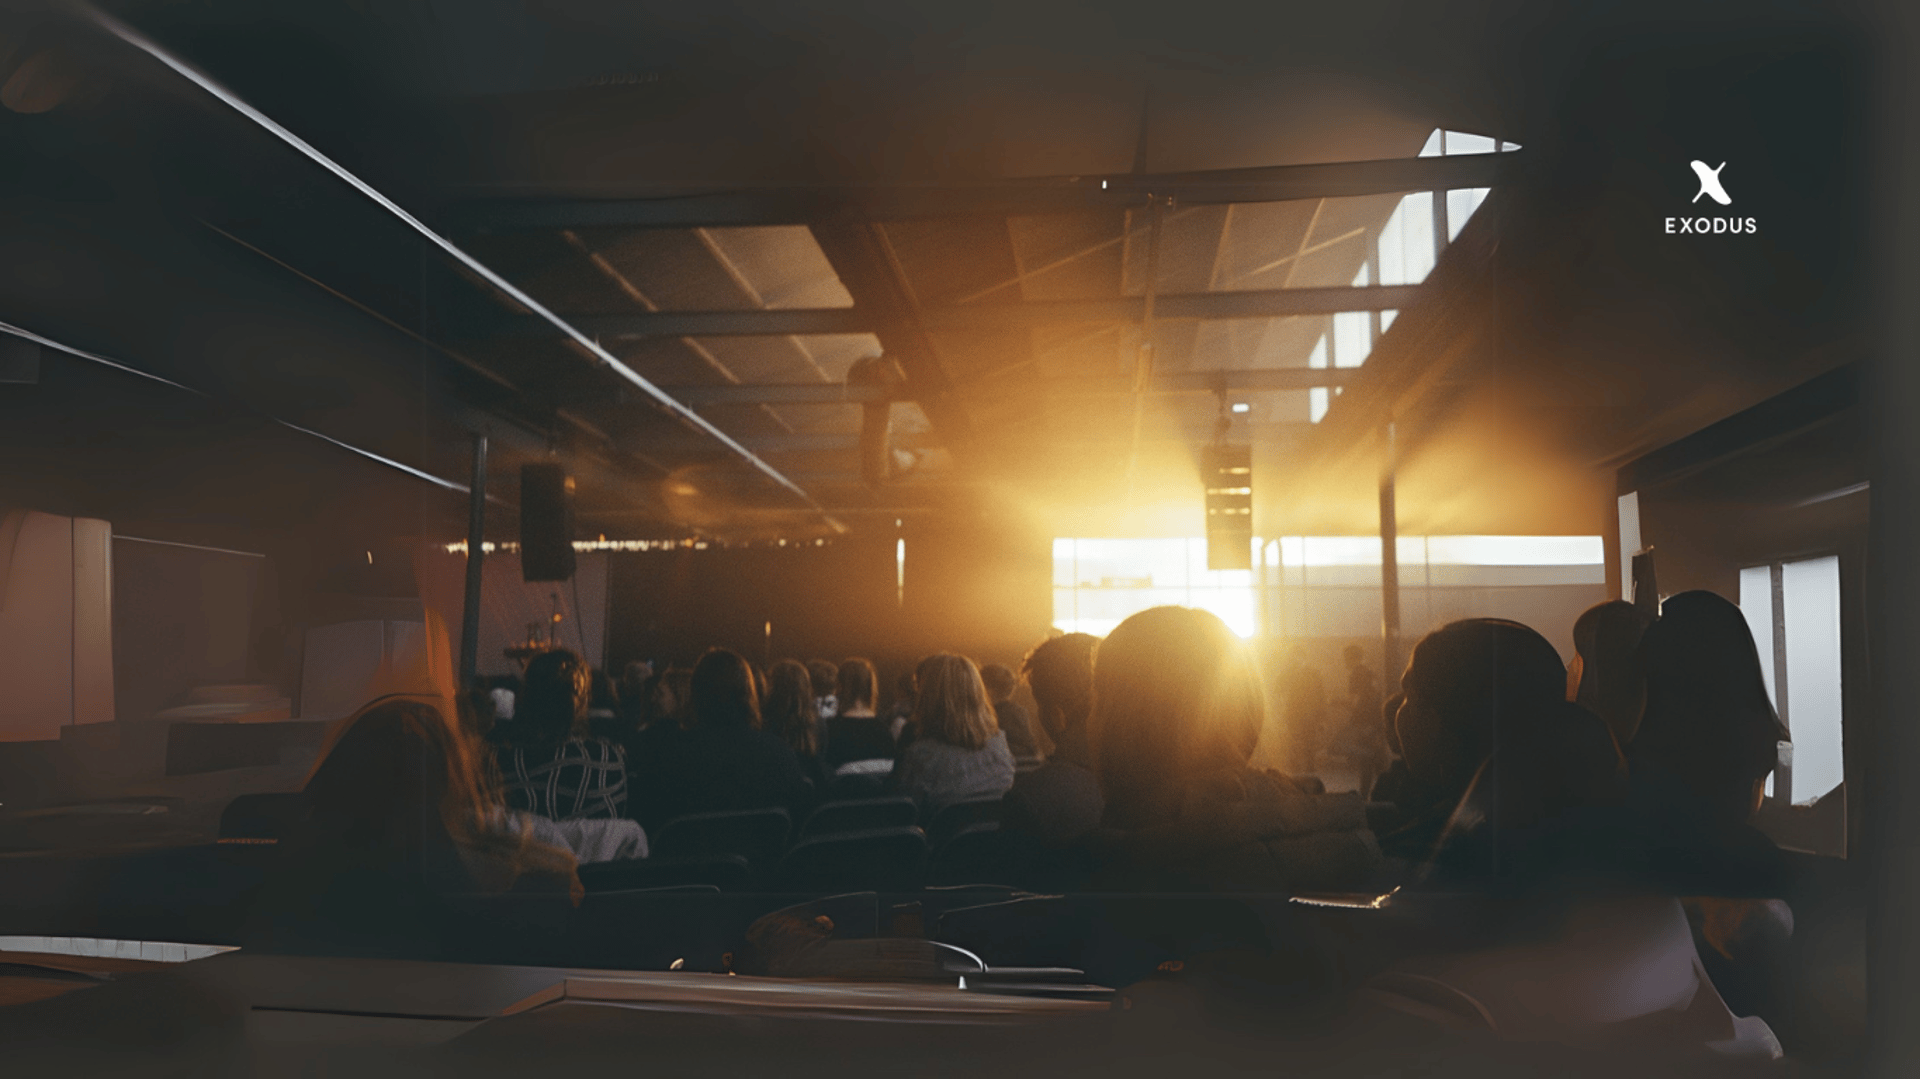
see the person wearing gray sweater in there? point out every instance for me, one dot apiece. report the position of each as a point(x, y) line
point(958, 751)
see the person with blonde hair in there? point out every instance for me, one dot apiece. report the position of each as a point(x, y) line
point(958, 751)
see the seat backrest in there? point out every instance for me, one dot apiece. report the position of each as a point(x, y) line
point(262, 816)
point(857, 785)
point(719, 872)
point(976, 854)
point(878, 860)
point(758, 835)
point(949, 821)
point(656, 928)
point(859, 815)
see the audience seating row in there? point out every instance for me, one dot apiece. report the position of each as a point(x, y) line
point(851, 844)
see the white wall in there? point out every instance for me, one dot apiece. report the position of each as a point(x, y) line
point(56, 627)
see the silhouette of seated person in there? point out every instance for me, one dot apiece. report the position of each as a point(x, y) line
point(551, 765)
point(1605, 676)
point(958, 752)
point(1009, 713)
point(1705, 744)
point(1700, 756)
point(403, 820)
point(790, 714)
point(1516, 906)
point(854, 733)
point(1177, 713)
point(1500, 769)
point(721, 760)
point(1060, 802)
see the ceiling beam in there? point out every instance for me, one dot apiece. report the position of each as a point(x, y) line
point(1175, 382)
point(814, 442)
point(864, 260)
point(1257, 303)
point(1044, 195)
point(1250, 303)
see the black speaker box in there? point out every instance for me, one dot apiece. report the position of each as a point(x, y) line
point(546, 523)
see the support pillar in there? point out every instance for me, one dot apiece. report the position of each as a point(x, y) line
point(476, 555)
point(1390, 662)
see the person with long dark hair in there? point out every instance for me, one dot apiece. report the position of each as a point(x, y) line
point(551, 763)
point(721, 759)
point(403, 818)
point(1706, 741)
point(1520, 788)
point(1708, 736)
point(790, 715)
point(1498, 762)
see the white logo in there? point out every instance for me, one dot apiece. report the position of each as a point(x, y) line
point(1710, 183)
point(1711, 187)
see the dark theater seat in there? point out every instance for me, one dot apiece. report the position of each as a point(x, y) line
point(859, 815)
point(976, 854)
point(722, 872)
point(262, 816)
point(951, 820)
point(879, 860)
point(758, 835)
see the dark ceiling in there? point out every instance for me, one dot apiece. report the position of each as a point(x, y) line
point(1080, 229)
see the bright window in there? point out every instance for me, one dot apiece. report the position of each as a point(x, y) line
point(1097, 583)
point(1801, 638)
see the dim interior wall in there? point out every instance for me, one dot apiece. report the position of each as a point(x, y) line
point(509, 604)
point(56, 643)
point(984, 595)
point(797, 602)
point(344, 659)
point(183, 617)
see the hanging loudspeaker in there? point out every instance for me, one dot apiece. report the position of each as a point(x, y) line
point(546, 523)
point(1227, 472)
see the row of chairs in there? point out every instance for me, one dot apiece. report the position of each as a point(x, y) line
point(858, 844)
point(892, 859)
point(762, 835)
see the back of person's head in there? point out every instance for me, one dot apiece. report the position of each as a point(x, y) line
point(1484, 706)
point(722, 691)
point(1059, 671)
point(553, 702)
point(679, 694)
point(855, 685)
point(602, 693)
point(789, 711)
point(999, 681)
point(403, 799)
point(1175, 695)
point(1606, 642)
point(477, 711)
point(950, 702)
point(1708, 719)
point(400, 777)
point(825, 677)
